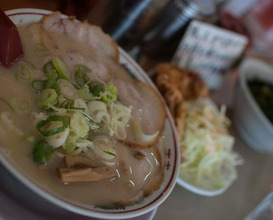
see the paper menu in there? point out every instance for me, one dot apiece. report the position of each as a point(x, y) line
point(209, 50)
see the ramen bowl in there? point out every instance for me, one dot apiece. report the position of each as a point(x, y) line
point(169, 152)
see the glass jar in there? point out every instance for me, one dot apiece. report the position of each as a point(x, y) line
point(161, 41)
point(132, 19)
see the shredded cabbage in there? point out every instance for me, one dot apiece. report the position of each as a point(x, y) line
point(209, 161)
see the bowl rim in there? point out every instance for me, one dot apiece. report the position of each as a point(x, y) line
point(245, 75)
point(200, 191)
point(160, 198)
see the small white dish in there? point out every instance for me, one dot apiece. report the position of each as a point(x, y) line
point(170, 155)
point(200, 191)
point(248, 118)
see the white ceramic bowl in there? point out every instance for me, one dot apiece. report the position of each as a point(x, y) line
point(202, 192)
point(249, 120)
point(170, 155)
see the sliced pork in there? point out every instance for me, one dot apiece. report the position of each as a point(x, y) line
point(148, 111)
point(88, 34)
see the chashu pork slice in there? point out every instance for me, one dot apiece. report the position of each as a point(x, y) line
point(92, 36)
point(148, 112)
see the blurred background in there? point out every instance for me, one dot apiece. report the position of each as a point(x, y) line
point(151, 30)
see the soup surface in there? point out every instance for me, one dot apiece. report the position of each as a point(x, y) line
point(75, 122)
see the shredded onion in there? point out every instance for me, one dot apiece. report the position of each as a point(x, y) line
point(120, 116)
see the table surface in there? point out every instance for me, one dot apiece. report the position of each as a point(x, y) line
point(254, 182)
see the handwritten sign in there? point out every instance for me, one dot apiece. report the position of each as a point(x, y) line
point(209, 50)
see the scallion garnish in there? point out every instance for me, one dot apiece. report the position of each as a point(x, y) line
point(41, 126)
point(69, 104)
point(81, 79)
point(85, 94)
point(48, 96)
point(38, 85)
point(24, 71)
point(109, 153)
point(82, 68)
point(61, 68)
point(41, 50)
point(90, 119)
point(52, 75)
point(42, 153)
point(96, 90)
point(7, 103)
point(48, 67)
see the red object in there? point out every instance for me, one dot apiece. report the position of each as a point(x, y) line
point(234, 24)
point(10, 43)
point(263, 13)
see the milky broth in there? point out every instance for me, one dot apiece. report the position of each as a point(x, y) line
point(125, 187)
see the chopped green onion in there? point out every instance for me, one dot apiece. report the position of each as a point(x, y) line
point(7, 103)
point(77, 108)
point(23, 138)
point(41, 50)
point(50, 83)
point(48, 67)
point(80, 77)
point(96, 90)
point(69, 104)
point(38, 85)
point(42, 153)
point(90, 119)
point(110, 94)
point(61, 68)
point(53, 84)
point(109, 153)
point(53, 131)
point(24, 71)
point(82, 68)
point(57, 87)
point(48, 96)
point(52, 74)
point(67, 89)
point(85, 93)
point(79, 124)
point(66, 104)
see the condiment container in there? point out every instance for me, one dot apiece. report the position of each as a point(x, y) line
point(132, 19)
point(161, 41)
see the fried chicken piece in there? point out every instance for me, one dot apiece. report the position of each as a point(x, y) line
point(176, 86)
point(187, 82)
